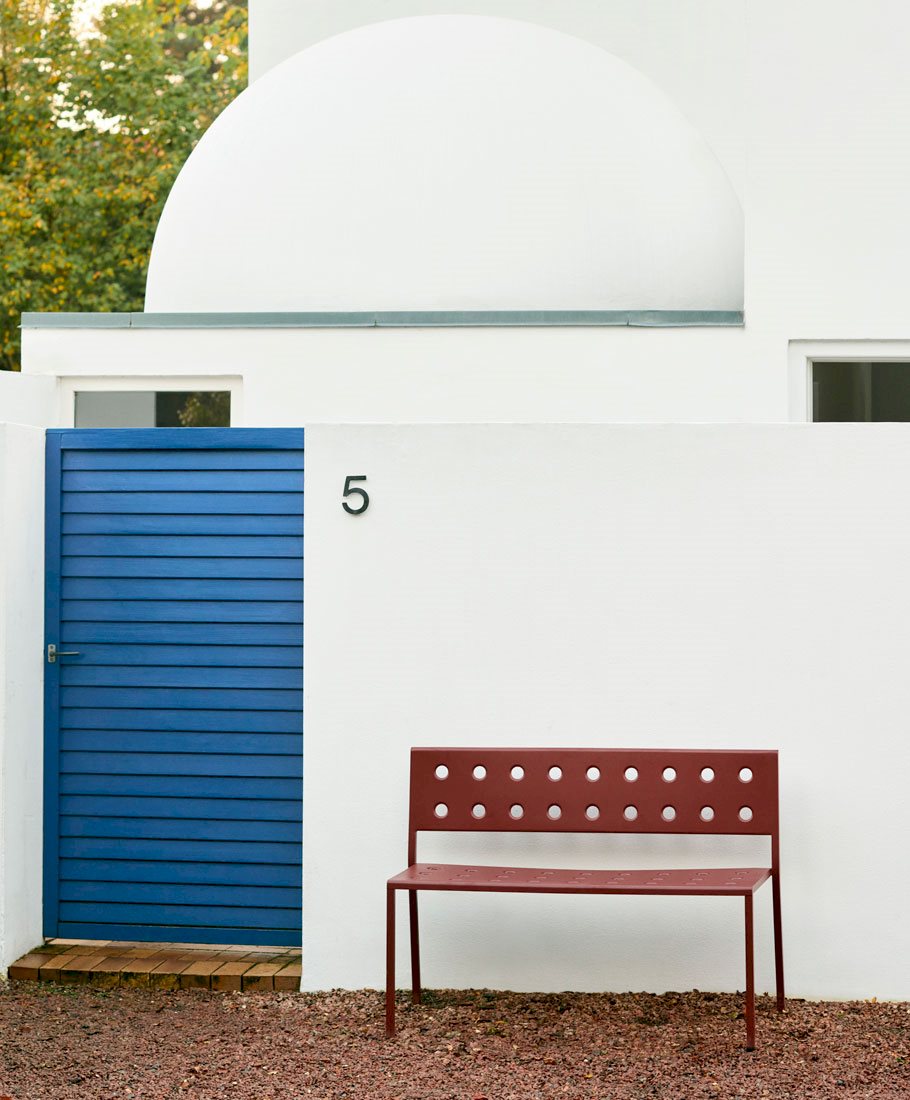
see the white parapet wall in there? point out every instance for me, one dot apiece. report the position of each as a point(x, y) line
point(288, 375)
point(21, 679)
point(27, 399)
point(679, 586)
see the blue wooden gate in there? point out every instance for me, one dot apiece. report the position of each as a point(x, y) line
point(173, 750)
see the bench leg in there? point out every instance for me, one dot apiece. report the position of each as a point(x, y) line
point(750, 978)
point(390, 961)
point(778, 942)
point(415, 947)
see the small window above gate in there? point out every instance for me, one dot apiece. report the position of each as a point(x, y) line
point(152, 409)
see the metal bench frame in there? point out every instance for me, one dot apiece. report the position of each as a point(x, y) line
point(723, 792)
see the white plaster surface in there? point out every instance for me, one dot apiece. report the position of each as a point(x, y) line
point(290, 377)
point(694, 51)
point(450, 162)
point(643, 586)
point(21, 679)
point(27, 399)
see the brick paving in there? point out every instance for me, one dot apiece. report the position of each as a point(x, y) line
point(109, 965)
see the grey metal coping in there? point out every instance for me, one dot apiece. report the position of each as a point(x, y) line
point(634, 318)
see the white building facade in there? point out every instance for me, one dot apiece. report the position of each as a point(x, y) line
point(565, 283)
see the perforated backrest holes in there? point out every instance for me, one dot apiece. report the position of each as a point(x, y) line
point(745, 813)
point(517, 812)
point(706, 813)
point(592, 813)
point(593, 774)
point(442, 772)
point(480, 772)
point(707, 775)
point(554, 813)
point(479, 811)
point(441, 810)
point(517, 772)
point(745, 775)
point(555, 773)
point(668, 813)
point(630, 813)
point(631, 774)
point(669, 774)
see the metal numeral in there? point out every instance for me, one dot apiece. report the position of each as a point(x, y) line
point(349, 490)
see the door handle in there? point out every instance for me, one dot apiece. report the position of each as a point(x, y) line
point(53, 653)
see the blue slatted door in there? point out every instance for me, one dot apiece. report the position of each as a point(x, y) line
point(174, 739)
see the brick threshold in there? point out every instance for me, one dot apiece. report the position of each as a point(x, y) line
point(107, 964)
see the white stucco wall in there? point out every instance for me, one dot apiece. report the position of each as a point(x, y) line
point(286, 376)
point(694, 51)
point(27, 399)
point(289, 377)
point(450, 162)
point(21, 672)
point(806, 105)
point(650, 586)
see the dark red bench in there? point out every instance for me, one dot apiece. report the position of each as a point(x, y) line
point(590, 791)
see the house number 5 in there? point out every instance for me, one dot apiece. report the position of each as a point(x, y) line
point(350, 490)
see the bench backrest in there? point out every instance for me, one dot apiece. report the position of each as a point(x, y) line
point(726, 791)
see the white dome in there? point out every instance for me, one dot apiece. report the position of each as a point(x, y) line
point(450, 162)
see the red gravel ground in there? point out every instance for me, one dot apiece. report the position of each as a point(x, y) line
point(72, 1041)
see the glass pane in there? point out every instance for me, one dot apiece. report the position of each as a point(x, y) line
point(135, 409)
point(210, 409)
point(871, 392)
point(148, 409)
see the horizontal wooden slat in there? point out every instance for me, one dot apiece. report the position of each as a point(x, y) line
point(181, 611)
point(231, 568)
point(192, 699)
point(162, 828)
point(218, 873)
point(182, 481)
point(182, 786)
point(187, 546)
point(183, 459)
point(216, 721)
point(119, 523)
point(257, 744)
point(181, 588)
point(205, 851)
point(190, 675)
point(163, 933)
point(175, 503)
point(281, 897)
point(168, 439)
point(247, 657)
point(181, 764)
point(214, 916)
point(220, 809)
point(74, 634)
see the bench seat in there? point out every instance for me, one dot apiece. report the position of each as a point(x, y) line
point(737, 881)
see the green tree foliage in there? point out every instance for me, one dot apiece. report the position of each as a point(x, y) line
point(206, 410)
point(95, 123)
